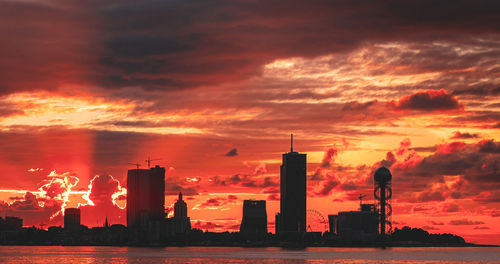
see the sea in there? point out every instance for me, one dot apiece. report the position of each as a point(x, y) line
point(317, 255)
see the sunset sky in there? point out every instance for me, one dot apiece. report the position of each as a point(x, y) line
point(213, 90)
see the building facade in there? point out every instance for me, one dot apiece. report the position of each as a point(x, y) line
point(145, 196)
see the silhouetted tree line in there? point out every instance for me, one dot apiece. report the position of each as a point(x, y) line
point(407, 234)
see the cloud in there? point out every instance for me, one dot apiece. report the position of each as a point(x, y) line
point(102, 201)
point(232, 153)
point(436, 223)
point(459, 135)
point(430, 100)
point(200, 45)
point(451, 207)
point(489, 146)
point(328, 157)
point(327, 186)
point(216, 203)
point(465, 222)
point(428, 196)
point(47, 204)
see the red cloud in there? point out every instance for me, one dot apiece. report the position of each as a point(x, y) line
point(47, 205)
point(451, 147)
point(102, 195)
point(430, 100)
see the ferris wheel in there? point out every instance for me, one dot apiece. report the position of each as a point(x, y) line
point(315, 221)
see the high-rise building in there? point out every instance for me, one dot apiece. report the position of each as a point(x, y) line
point(145, 196)
point(293, 192)
point(254, 217)
point(72, 219)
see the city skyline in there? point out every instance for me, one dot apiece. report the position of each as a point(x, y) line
point(212, 92)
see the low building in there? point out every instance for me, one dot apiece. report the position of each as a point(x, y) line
point(254, 217)
point(72, 219)
point(358, 226)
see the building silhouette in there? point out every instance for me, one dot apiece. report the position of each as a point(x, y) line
point(72, 219)
point(145, 196)
point(254, 218)
point(11, 223)
point(332, 224)
point(293, 192)
point(359, 226)
point(181, 221)
point(180, 207)
point(277, 221)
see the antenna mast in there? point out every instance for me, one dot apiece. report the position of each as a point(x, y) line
point(291, 142)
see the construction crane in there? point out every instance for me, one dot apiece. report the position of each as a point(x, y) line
point(136, 164)
point(361, 196)
point(149, 161)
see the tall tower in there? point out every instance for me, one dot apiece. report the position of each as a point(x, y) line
point(293, 192)
point(383, 194)
point(145, 196)
point(182, 223)
point(180, 208)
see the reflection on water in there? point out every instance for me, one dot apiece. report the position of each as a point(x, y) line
point(171, 255)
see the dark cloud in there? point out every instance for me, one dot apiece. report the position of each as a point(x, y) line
point(327, 186)
point(428, 196)
point(465, 222)
point(430, 100)
point(459, 135)
point(328, 157)
point(436, 223)
point(172, 188)
point(430, 228)
point(479, 91)
point(489, 146)
point(450, 208)
point(232, 153)
point(177, 44)
point(357, 106)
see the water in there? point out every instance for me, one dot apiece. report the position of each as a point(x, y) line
point(172, 255)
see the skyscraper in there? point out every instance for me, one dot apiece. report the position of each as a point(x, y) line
point(145, 196)
point(254, 217)
point(293, 192)
point(72, 219)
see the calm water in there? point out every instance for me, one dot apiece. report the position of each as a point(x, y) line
point(119, 255)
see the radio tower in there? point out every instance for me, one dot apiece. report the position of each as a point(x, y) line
point(383, 194)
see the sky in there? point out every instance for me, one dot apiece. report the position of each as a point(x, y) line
point(212, 90)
